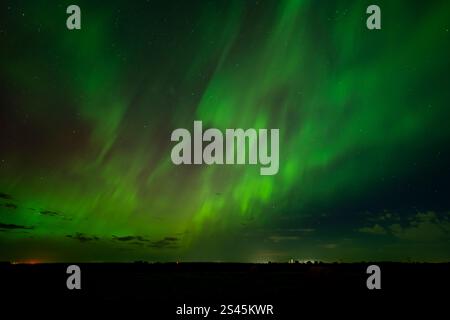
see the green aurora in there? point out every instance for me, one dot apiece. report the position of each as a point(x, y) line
point(86, 118)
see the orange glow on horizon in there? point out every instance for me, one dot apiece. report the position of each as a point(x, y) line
point(28, 261)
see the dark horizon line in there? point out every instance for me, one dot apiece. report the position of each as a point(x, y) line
point(222, 262)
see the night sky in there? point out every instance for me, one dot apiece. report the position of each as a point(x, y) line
point(86, 118)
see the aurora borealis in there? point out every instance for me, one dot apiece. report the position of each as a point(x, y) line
point(86, 118)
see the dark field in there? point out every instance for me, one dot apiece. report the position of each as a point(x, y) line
point(291, 288)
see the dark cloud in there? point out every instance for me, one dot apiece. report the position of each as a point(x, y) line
point(49, 213)
point(7, 226)
point(9, 205)
point(130, 238)
point(375, 229)
point(278, 238)
point(427, 226)
point(422, 226)
point(295, 230)
point(167, 242)
point(5, 196)
point(82, 237)
point(137, 243)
